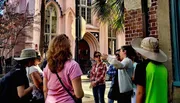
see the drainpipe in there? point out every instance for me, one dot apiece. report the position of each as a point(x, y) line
point(145, 17)
point(41, 42)
point(78, 29)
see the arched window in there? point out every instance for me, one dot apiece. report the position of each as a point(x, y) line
point(50, 23)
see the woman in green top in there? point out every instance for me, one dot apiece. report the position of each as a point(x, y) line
point(151, 76)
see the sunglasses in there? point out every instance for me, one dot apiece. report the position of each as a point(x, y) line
point(96, 56)
point(117, 55)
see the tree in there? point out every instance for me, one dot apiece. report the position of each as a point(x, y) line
point(12, 26)
point(2, 6)
point(110, 11)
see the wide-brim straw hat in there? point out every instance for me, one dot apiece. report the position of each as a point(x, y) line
point(149, 48)
point(27, 53)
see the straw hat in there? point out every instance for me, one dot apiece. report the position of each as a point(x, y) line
point(149, 47)
point(27, 54)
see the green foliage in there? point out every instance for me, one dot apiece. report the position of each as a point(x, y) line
point(110, 11)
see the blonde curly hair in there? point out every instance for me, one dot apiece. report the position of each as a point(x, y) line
point(58, 53)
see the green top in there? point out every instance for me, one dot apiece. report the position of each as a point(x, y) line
point(156, 83)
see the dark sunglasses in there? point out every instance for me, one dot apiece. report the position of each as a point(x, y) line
point(117, 55)
point(96, 56)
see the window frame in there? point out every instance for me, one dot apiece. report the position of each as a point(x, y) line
point(50, 34)
point(112, 38)
point(86, 10)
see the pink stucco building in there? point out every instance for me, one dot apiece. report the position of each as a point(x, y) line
point(60, 19)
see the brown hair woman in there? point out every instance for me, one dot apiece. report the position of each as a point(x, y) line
point(59, 59)
point(97, 78)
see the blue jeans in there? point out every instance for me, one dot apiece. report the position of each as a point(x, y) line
point(98, 93)
point(110, 101)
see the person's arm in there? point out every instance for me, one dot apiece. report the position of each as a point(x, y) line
point(45, 89)
point(78, 91)
point(22, 91)
point(103, 74)
point(113, 61)
point(92, 78)
point(36, 78)
point(140, 81)
point(111, 71)
point(140, 94)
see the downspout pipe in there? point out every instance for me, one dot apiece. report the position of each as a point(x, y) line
point(78, 29)
point(145, 17)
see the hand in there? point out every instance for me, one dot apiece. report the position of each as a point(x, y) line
point(93, 84)
point(32, 85)
point(104, 57)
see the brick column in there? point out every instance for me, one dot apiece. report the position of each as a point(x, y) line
point(133, 22)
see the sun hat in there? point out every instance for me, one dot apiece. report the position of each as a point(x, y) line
point(27, 53)
point(149, 47)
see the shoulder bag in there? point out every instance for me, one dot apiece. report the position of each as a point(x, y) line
point(121, 86)
point(77, 100)
point(125, 82)
point(114, 93)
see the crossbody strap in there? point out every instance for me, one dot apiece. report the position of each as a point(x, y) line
point(65, 87)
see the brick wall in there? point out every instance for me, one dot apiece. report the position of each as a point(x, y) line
point(153, 19)
point(134, 23)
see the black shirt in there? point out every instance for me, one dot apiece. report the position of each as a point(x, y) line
point(140, 73)
point(9, 83)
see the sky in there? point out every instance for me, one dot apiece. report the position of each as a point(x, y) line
point(1, 6)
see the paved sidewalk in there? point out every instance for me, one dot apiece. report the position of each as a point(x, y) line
point(88, 95)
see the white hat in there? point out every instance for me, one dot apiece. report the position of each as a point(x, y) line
point(27, 54)
point(149, 47)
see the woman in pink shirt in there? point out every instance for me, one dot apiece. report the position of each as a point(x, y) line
point(59, 60)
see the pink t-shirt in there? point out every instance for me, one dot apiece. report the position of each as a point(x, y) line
point(56, 92)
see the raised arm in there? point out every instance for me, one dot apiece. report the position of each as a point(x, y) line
point(113, 61)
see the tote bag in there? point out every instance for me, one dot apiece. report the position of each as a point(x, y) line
point(114, 93)
point(125, 82)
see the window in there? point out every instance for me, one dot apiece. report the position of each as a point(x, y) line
point(50, 23)
point(96, 35)
point(85, 10)
point(111, 41)
point(175, 25)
